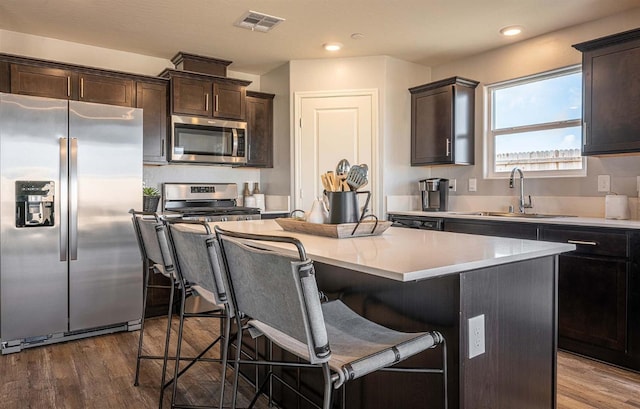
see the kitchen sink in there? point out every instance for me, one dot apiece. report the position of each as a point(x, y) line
point(509, 214)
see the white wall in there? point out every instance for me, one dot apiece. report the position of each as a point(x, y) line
point(276, 181)
point(392, 78)
point(536, 55)
point(74, 53)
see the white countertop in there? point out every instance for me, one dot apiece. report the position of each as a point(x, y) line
point(410, 254)
point(576, 221)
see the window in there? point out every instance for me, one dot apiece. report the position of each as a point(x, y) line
point(535, 123)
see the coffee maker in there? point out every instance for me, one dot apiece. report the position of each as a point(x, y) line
point(435, 194)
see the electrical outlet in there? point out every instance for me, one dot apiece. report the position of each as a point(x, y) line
point(452, 185)
point(604, 183)
point(476, 336)
point(473, 185)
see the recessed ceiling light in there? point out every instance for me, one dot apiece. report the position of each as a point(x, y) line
point(511, 31)
point(332, 46)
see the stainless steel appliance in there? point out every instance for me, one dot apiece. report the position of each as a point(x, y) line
point(435, 194)
point(206, 140)
point(69, 262)
point(416, 222)
point(210, 202)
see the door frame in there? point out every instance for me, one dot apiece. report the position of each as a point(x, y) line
point(296, 146)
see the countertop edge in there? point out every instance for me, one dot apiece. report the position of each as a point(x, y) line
point(568, 221)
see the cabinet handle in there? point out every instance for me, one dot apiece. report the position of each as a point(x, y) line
point(216, 108)
point(68, 86)
point(206, 102)
point(587, 243)
point(162, 147)
point(448, 147)
point(81, 87)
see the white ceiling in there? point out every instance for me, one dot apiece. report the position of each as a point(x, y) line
point(428, 32)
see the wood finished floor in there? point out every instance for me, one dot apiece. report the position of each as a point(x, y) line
point(98, 373)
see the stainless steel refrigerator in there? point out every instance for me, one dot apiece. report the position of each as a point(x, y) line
point(69, 261)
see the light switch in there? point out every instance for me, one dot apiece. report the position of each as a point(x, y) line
point(472, 185)
point(604, 183)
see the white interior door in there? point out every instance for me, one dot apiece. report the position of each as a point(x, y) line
point(331, 127)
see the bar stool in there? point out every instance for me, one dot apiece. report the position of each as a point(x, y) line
point(195, 251)
point(279, 293)
point(147, 227)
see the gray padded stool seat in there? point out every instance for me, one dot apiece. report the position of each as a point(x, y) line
point(278, 292)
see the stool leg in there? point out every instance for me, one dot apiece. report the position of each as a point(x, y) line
point(166, 343)
point(178, 347)
point(327, 401)
point(225, 351)
point(144, 309)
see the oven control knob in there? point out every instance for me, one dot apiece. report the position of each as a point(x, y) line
point(224, 218)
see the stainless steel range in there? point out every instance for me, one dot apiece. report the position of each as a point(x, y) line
point(211, 202)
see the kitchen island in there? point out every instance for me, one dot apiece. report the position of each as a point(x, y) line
point(416, 280)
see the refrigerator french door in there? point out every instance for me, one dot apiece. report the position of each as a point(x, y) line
point(69, 261)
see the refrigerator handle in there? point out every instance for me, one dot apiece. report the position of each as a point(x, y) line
point(73, 199)
point(64, 194)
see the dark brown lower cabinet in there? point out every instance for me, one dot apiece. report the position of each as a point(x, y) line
point(158, 298)
point(592, 295)
point(598, 285)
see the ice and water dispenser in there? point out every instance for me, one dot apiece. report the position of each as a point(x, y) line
point(435, 194)
point(34, 203)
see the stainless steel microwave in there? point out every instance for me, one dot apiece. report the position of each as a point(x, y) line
point(207, 140)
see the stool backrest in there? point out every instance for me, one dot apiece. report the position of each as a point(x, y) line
point(197, 255)
point(276, 288)
point(152, 239)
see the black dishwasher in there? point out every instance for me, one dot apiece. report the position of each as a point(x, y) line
point(416, 222)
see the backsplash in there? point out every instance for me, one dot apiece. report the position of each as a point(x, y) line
point(592, 206)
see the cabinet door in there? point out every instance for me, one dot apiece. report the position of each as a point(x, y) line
point(260, 131)
point(612, 97)
point(5, 79)
point(106, 90)
point(229, 101)
point(431, 127)
point(43, 81)
point(152, 98)
point(592, 300)
point(192, 96)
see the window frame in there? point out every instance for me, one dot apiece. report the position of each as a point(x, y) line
point(490, 134)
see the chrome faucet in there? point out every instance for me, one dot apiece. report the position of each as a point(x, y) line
point(521, 204)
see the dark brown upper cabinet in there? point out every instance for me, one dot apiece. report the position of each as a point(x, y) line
point(229, 100)
point(191, 96)
point(44, 81)
point(60, 83)
point(5, 78)
point(207, 95)
point(611, 94)
point(442, 122)
point(260, 129)
point(106, 90)
point(152, 97)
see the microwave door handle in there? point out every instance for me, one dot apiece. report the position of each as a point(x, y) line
point(234, 148)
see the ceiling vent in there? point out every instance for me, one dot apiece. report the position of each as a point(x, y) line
point(255, 21)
